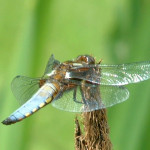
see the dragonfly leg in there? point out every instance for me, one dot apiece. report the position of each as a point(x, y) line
point(83, 96)
point(74, 97)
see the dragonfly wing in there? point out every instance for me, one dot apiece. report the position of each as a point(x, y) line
point(52, 63)
point(104, 96)
point(23, 88)
point(114, 74)
point(88, 73)
point(125, 73)
point(111, 95)
point(66, 101)
point(90, 99)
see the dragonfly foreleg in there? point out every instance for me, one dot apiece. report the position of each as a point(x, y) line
point(75, 98)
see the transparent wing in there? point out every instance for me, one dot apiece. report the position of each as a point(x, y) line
point(114, 74)
point(90, 99)
point(23, 88)
point(125, 73)
point(67, 103)
point(52, 63)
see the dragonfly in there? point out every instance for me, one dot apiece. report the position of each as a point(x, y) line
point(79, 85)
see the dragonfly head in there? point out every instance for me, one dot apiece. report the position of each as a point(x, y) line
point(86, 59)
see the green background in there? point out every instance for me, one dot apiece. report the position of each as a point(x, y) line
point(31, 30)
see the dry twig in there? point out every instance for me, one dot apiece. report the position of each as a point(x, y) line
point(95, 134)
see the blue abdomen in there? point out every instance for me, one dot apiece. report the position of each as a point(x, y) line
point(41, 98)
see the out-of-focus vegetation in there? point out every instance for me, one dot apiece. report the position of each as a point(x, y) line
point(30, 31)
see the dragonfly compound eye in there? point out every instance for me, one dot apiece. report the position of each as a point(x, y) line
point(86, 59)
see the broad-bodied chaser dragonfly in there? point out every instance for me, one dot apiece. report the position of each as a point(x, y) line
point(81, 85)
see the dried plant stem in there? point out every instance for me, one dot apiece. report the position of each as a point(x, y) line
point(95, 133)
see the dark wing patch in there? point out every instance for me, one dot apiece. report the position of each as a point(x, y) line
point(114, 74)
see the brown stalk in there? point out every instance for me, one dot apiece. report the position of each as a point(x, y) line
point(92, 132)
point(95, 133)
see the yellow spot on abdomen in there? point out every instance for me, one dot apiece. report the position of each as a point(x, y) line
point(28, 114)
point(48, 100)
point(34, 110)
point(41, 105)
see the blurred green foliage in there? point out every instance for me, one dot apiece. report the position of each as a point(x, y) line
point(31, 30)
